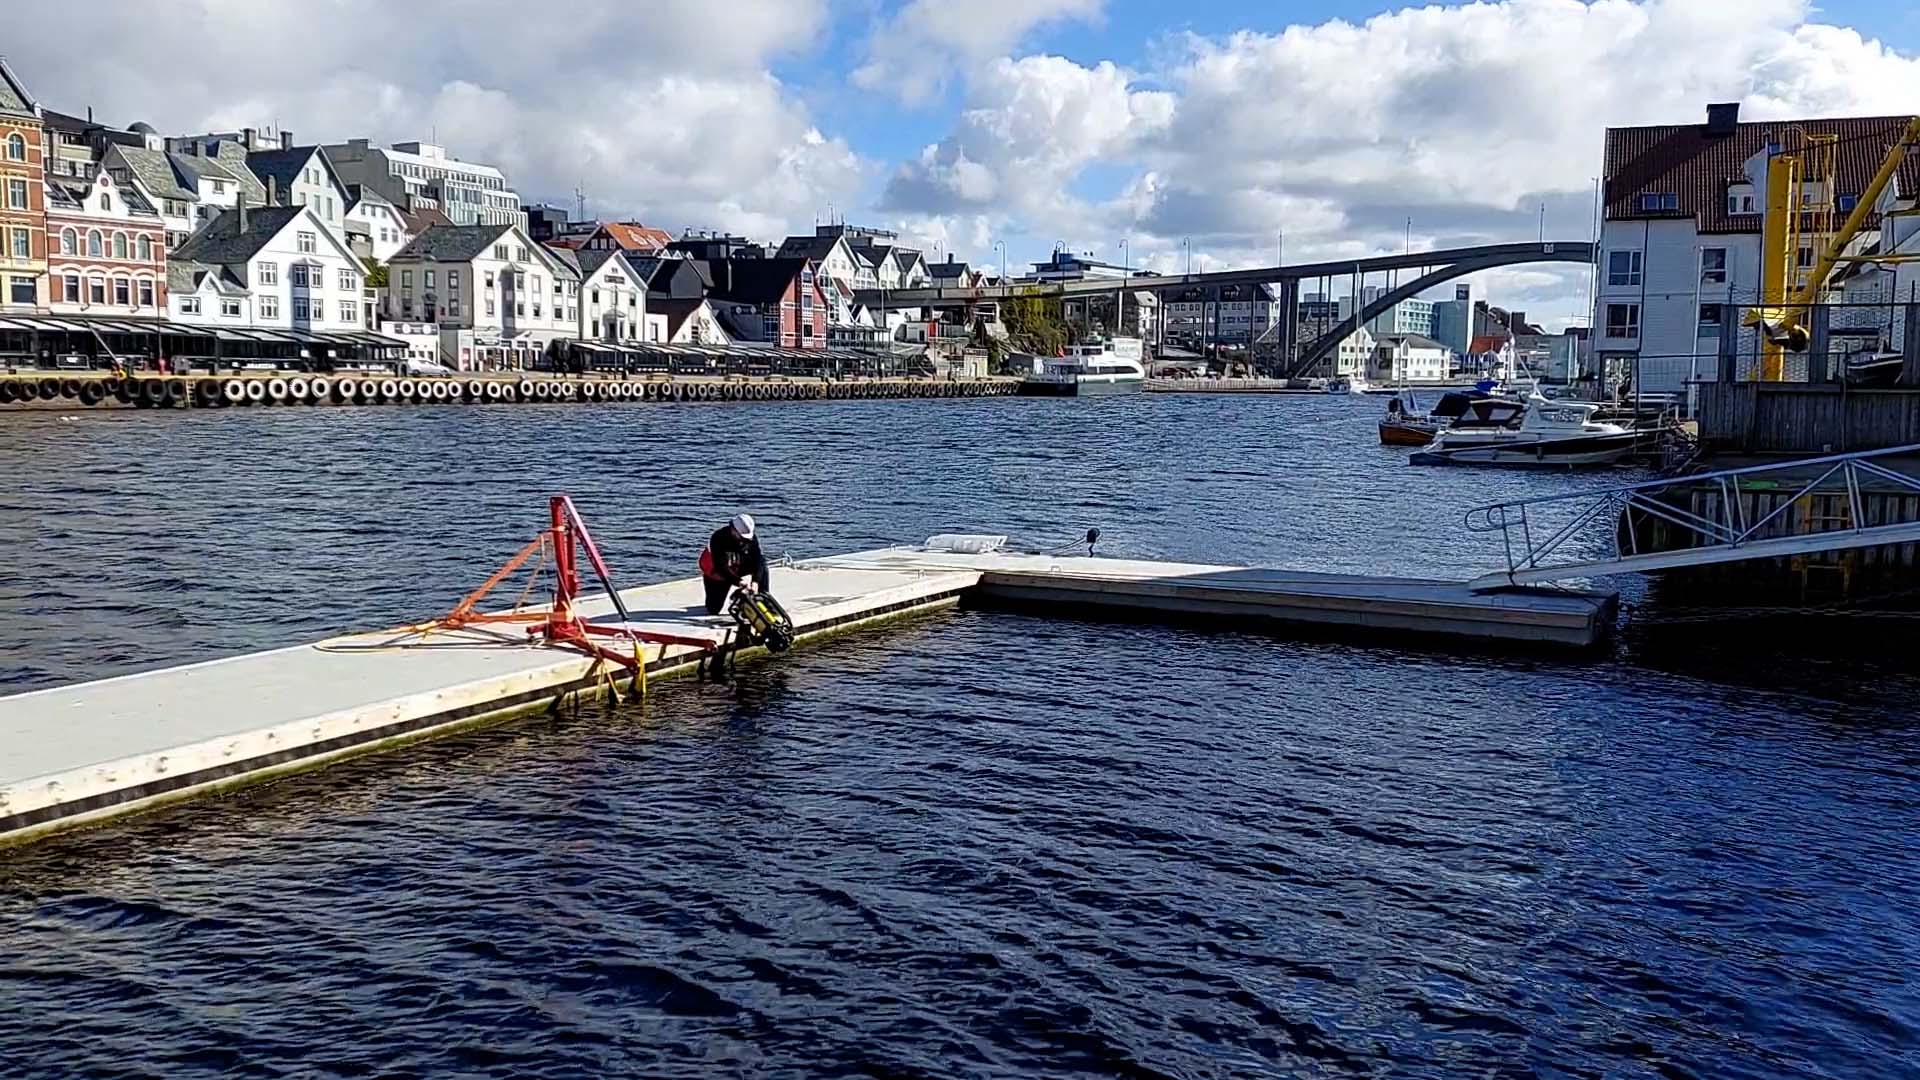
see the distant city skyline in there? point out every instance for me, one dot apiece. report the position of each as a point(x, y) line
point(1022, 124)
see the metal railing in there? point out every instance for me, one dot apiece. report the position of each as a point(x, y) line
point(1542, 536)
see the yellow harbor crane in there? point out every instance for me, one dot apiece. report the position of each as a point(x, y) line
point(1801, 204)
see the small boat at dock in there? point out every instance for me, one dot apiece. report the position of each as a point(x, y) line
point(1531, 433)
point(1407, 423)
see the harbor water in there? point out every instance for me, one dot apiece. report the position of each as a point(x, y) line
point(971, 844)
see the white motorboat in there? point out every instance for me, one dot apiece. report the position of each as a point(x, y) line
point(1113, 366)
point(1349, 384)
point(1533, 432)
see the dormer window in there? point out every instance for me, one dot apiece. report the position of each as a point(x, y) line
point(1846, 203)
point(1656, 201)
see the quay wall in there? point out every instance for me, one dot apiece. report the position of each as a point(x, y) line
point(263, 389)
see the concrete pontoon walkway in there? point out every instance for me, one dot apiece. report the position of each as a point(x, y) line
point(80, 753)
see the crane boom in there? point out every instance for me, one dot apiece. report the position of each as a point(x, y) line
point(1782, 326)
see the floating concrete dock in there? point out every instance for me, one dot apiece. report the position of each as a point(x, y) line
point(80, 754)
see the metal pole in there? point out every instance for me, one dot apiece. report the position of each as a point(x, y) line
point(1693, 365)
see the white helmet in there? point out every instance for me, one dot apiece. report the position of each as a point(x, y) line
point(743, 524)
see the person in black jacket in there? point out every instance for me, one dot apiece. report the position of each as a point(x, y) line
point(732, 558)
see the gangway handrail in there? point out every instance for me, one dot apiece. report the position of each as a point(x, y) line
point(1727, 537)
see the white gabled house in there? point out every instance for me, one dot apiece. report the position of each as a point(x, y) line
point(269, 267)
point(613, 299)
point(376, 223)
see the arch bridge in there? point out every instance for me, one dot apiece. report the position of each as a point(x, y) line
point(1434, 268)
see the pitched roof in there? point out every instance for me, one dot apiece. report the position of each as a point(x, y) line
point(419, 221)
point(676, 311)
point(948, 269)
point(284, 167)
point(588, 263)
point(633, 236)
point(755, 281)
point(453, 243)
point(222, 242)
point(15, 99)
point(1417, 341)
point(194, 167)
point(185, 275)
point(154, 172)
point(816, 248)
point(1687, 161)
point(1486, 343)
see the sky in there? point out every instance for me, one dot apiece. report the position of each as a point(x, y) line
point(1135, 130)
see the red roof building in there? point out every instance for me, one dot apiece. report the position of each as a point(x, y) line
point(629, 236)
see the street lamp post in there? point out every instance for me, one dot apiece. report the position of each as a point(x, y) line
point(1002, 245)
point(1120, 294)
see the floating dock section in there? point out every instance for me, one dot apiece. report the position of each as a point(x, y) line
point(80, 754)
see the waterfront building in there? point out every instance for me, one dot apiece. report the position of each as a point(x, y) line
point(628, 236)
point(612, 299)
point(689, 322)
point(1222, 314)
point(23, 209)
point(376, 229)
point(500, 299)
point(1681, 227)
point(829, 251)
point(423, 176)
point(952, 274)
point(547, 223)
point(276, 267)
point(775, 301)
point(108, 250)
point(1453, 319)
point(1410, 358)
point(302, 176)
point(1412, 316)
point(74, 145)
point(190, 186)
point(1353, 357)
point(668, 278)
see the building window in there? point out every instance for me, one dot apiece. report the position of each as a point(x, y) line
point(309, 243)
point(1846, 203)
point(301, 310)
point(269, 273)
point(21, 290)
point(1804, 258)
point(72, 282)
point(500, 252)
point(119, 245)
point(69, 242)
point(230, 308)
point(106, 202)
point(1623, 268)
point(97, 290)
point(122, 292)
point(269, 307)
point(429, 280)
point(1654, 202)
point(1713, 266)
point(219, 187)
point(596, 298)
point(22, 244)
point(453, 309)
point(349, 312)
point(490, 307)
point(453, 282)
point(1623, 321)
point(1709, 322)
point(144, 249)
point(95, 245)
point(16, 147)
point(189, 305)
point(347, 282)
point(17, 194)
point(299, 275)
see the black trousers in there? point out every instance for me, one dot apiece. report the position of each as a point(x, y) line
point(716, 594)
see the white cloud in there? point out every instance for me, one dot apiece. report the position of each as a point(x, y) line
point(915, 54)
point(651, 108)
point(1465, 119)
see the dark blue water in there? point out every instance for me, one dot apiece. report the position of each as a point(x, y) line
point(967, 845)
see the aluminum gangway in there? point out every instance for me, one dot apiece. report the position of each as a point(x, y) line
point(1552, 537)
